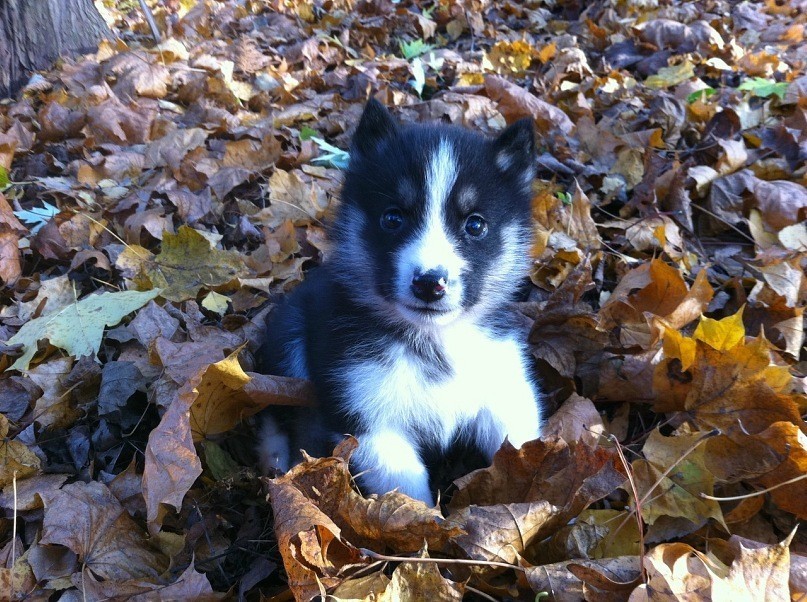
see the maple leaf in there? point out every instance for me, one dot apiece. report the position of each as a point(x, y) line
point(87, 518)
point(77, 328)
point(722, 382)
point(186, 264)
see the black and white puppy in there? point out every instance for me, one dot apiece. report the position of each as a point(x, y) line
point(405, 330)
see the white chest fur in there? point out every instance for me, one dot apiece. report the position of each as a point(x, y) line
point(488, 395)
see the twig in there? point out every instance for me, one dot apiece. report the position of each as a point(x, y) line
point(721, 220)
point(480, 593)
point(667, 472)
point(14, 524)
point(378, 556)
point(755, 493)
point(155, 32)
point(639, 520)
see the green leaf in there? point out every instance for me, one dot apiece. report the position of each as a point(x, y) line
point(763, 88)
point(415, 48)
point(78, 328)
point(307, 132)
point(703, 93)
point(564, 197)
point(4, 180)
point(186, 264)
point(220, 464)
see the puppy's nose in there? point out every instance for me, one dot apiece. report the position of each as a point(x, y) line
point(430, 286)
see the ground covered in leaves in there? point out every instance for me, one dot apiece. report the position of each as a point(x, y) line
point(155, 196)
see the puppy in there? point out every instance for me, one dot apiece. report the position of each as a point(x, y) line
point(405, 330)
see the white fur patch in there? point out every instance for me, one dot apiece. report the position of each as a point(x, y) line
point(295, 362)
point(487, 398)
point(504, 160)
point(441, 175)
point(467, 198)
point(273, 446)
point(431, 248)
point(389, 461)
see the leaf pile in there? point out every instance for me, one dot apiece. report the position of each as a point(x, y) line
point(153, 197)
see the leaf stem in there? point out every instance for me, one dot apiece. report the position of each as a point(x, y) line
point(377, 556)
point(733, 498)
point(639, 520)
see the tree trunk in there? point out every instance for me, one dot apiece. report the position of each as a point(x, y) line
point(34, 33)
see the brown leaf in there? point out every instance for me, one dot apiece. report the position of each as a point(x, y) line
point(190, 585)
point(782, 203)
point(759, 569)
point(87, 518)
point(114, 122)
point(28, 494)
point(309, 541)
point(391, 520)
point(502, 532)
point(10, 232)
point(677, 495)
point(172, 465)
point(790, 442)
point(268, 390)
point(16, 460)
point(568, 476)
point(422, 581)
point(691, 581)
point(567, 587)
point(577, 420)
point(528, 493)
point(516, 102)
point(397, 521)
point(218, 402)
point(55, 408)
point(170, 149)
point(653, 289)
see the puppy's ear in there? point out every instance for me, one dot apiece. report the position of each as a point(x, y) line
point(515, 150)
point(375, 126)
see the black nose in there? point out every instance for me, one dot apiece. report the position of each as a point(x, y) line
point(430, 286)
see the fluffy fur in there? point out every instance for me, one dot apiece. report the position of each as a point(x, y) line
point(405, 331)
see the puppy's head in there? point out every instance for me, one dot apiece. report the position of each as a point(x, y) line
point(435, 221)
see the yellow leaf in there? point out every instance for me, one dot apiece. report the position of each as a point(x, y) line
point(511, 57)
point(548, 52)
point(216, 302)
point(671, 76)
point(721, 335)
point(186, 265)
point(677, 345)
point(220, 400)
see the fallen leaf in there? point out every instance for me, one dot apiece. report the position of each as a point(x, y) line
point(186, 264)
point(16, 461)
point(218, 402)
point(87, 518)
point(172, 465)
point(93, 313)
point(516, 102)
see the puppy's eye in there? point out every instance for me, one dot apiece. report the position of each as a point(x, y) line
point(476, 226)
point(392, 219)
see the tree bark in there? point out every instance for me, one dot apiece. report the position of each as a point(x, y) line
point(34, 33)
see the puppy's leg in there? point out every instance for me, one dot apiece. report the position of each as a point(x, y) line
point(273, 446)
point(516, 418)
point(387, 460)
